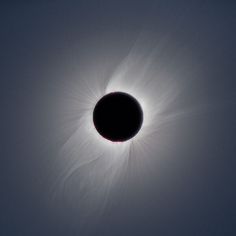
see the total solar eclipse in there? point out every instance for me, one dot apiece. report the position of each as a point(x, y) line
point(118, 116)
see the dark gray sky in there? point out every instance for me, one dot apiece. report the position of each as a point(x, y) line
point(48, 38)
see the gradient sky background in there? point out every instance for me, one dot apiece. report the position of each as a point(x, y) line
point(48, 38)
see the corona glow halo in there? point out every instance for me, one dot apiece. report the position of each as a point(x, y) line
point(90, 159)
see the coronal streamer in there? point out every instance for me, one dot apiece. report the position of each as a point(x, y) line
point(90, 165)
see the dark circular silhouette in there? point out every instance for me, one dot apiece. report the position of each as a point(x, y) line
point(118, 116)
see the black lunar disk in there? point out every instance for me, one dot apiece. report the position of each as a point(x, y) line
point(118, 116)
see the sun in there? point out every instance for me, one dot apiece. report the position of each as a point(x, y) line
point(112, 121)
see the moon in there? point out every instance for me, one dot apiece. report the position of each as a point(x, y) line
point(118, 116)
